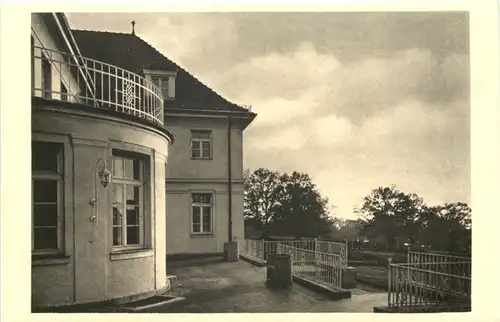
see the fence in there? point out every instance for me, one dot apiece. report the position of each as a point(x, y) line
point(430, 280)
point(318, 267)
point(262, 248)
point(307, 262)
point(333, 248)
point(66, 77)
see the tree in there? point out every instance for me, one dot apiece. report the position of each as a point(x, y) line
point(287, 204)
point(302, 211)
point(261, 196)
point(448, 228)
point(390, 213)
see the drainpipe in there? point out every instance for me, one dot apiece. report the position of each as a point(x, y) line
point(229, 182)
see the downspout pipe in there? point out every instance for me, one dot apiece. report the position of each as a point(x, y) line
point(229, 182)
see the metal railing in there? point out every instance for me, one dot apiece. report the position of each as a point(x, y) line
point(307, 262)
point(436, 283)
point(415, 285)
point(252, 248)
point(333, 248)
point(62, 76)
point(422, 257)
point(262, 248)
point(318, 267)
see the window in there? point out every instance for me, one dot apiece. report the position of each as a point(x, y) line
point(64, 92)
point(201, 144)
point(162, 84)
point(47, 180)
point(32, 65)
point(201, 222)
point(46, 77)
point(128, 200)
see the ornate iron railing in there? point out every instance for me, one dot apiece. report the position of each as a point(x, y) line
point(62, 76)
point(307, 262)
point(333, 248)
point(422, 257)
point(418, 284)
point(318, 267)
point(262, 248)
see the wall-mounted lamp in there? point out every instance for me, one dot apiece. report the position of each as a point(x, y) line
point(105, 178)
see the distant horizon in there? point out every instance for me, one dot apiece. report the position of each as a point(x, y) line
point(356, 100)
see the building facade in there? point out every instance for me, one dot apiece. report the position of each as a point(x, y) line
point(111, 193)
point(98, 176)
point(204, 195)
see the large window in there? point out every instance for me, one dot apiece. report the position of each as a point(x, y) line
point(47, 181)
point(201, 144)
point(202, 204)
point(128, 200)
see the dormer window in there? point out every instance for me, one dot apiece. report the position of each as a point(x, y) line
point(162, 84)
point(164, 80)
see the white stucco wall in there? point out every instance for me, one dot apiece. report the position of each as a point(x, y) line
point(93, 271)
point(185, 175)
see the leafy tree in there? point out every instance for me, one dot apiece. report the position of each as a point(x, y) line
point(286, 204)
point(261, 196)
point(448, 228)
point(391, 213)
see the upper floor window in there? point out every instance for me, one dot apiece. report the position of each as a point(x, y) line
point(128, 200)
point(46, 77)
point(201, 144)
point(201, 221)
point(163, 84)
point(32, 65)
point(164, 80)
point(64, 92)
point(47, 181)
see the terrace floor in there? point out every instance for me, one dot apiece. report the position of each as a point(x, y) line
point(210, 285)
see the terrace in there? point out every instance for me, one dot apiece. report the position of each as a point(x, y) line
point(71, 78)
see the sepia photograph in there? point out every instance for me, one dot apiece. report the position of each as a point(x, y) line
point(250, 162)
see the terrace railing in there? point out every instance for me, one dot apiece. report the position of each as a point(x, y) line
point(429, 284)
point(333, 248)
point(262, 248)
point(318, 267)
point(66, 77)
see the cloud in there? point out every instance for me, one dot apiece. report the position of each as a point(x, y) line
point(370, 124)
point(357, 100)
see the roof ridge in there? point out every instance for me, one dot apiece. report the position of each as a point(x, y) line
point(103, 32)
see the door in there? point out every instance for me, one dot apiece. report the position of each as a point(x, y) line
point(90, 225)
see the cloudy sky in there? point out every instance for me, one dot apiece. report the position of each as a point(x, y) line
point(357, 100)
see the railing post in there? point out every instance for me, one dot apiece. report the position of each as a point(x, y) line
point(389, 282)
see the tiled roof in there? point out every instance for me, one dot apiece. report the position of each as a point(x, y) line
point(130, 52)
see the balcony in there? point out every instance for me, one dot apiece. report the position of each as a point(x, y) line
point(61, 76)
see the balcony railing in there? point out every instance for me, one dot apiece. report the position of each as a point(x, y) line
point(66, 77)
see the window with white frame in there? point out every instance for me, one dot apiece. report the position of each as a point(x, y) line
point(128, 200)
point(47, 201)
point(201, 221)
point(201, 144)
point(162, 83)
